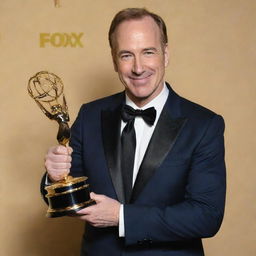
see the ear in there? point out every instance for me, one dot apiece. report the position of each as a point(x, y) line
point(166, 55)
point(114, 60)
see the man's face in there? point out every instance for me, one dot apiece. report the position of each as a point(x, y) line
point(140, 59)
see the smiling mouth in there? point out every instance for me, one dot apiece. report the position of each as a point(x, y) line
point(140, 78)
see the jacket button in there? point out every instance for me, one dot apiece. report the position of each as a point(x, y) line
point(147, 241)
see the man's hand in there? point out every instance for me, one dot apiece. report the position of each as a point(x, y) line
point(104, 214)
point(58, 162)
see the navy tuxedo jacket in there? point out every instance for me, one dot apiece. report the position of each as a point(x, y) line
point(179, 194)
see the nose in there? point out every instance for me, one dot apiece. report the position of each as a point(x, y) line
point(137, 68)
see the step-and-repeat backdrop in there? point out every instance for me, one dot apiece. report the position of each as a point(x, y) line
point(212, 61)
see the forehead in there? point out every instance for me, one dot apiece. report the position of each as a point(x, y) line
point(132, 33)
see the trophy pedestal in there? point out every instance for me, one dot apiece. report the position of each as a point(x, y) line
point(68, 196)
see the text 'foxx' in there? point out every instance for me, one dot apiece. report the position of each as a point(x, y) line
point(61, 40)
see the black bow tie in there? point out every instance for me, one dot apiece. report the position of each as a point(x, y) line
point(148, 115)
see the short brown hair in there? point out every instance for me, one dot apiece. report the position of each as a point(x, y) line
point(136, 14)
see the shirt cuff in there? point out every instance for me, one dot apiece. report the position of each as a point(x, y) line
point(121, 221)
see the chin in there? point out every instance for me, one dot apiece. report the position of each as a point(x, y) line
point(141, 97)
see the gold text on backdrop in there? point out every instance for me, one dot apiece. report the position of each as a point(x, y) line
point(61, 40)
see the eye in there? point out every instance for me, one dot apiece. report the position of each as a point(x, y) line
point(148, 53)
point(125, 56)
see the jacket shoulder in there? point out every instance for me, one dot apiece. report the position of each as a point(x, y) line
point(195, 110)
point(200, 118)
point(182, 107)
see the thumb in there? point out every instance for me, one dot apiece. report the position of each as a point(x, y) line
point(70, 150)
point(96, 197)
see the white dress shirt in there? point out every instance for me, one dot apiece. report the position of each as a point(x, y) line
point(143, 133)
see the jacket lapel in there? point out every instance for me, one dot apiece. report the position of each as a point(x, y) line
point(169, 126)
point(111, 121)
point(161, 143)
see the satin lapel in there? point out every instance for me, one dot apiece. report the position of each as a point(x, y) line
point(111, 142)
point(161, 143)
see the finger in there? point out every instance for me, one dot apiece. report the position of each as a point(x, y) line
point(91, 220)
point(60, 173)
point(58, 158)
point(84, 218)
point(86, 211)
point(97, 197)
point(59, 150)
point(56, 176)
point(60, 166)
point(57, 172)
point(53, 164)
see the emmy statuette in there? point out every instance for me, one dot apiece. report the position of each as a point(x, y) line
point(71, 194)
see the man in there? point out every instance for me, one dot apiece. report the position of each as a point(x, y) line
point(158, 177)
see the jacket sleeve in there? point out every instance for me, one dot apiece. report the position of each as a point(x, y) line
point(200, 213)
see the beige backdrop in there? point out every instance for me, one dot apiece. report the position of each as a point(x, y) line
point(213, 50)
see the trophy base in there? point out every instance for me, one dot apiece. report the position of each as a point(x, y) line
point(68, 196)
point(69, 211)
